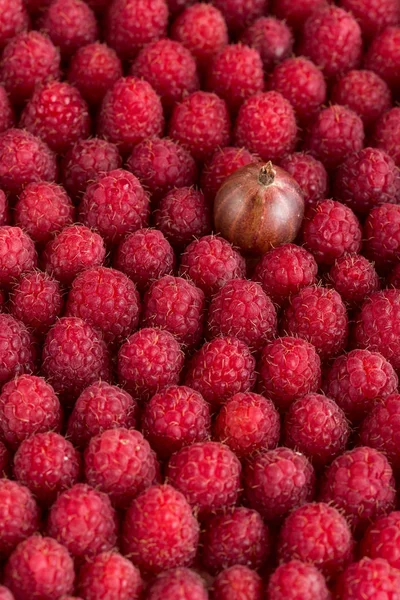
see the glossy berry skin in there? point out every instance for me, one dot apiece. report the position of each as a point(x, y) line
point(17, 353)
point(237, 583)
point(70, 25)
point(379, 429)
point(177, 584)
point(239, 14)
point(383, 57)
point(7, 116)
point(354, 277)
point(371, 577)
point(382, 235)
point(310, 174)
point(223, 163)
point(14, 19)
point(382, 539)
point(17, 254)
point(109, 573)
point(296, 579)
point(19, 515)
point(375, 16)
point(271, 38)
point(386, 132)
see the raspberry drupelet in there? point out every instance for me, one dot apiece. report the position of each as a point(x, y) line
point(177, 583)
point(383, 57)
point(373, 16)
point(17, 351)
point(239, 14)
point(382, 539)
point(17, 254)
point(296, 579)
point(70, 24)
point(310, 174)
point(14, 19)
point(382, 235)
point(371, 576)
point(109, 573)
point(20, 515)
point(237, 583)
point(271, 38)
point(295, 12)
point(354, 277)
point(379, 429)
point(7, 116)
point(223, 163)
point(387, 132)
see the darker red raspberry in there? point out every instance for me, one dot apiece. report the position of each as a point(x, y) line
point(108, 574)
point(7, 116)
point(383, 57)
point(379, 429)
point(271, 38)
point(19, 515)
point(17, 254)
point(70, 25)
point(237, 583)
point(17, 352)
point(387, 132)
point(373, 16)
point(223, 163)
point(14, 19)
point(372, 576)
point(296, 579)
point(310, 174)
point(296, 12)
point(176, 584)
point(354, 277)
point(382, 235)
point(382, 539)
point(239, 14)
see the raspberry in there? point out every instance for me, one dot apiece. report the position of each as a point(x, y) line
point(42, 210)
point(17, 254)
point(4, 210)
point(17, 353)
point(354, 277)
point(28, 60)
point(148, 361)
point(14, 19)
point(236, 537)
point(47, 464)
point(177, 584)
point(74, 356)
point(130, 112)
point(379, 429)
point(365, 93)
point(383, 57)
point(183, 214)
point(361, 484)
point(39, 567)
point(386, 133)
point(109, 574)
point(373, 16)
point(296, 12)
point(83, 520)
point(332, 40)
point(5, 594)
point(159, 531)
point(211, 262)
point(169, 68)
point(239, 14)
point(201, 123)
point(131, 24)
point(382, 539)
point(175, 417)
point(93, 70)
point(336, 132)
point(237, 583)
point(236, 74)
point(7, 116)
point(174, 304)
point(73, 250)
point(297, 579)
point(373, 577)
point(330, 230)
point(57, 114)
point(266, 125)
point(24, 158)
point(201, 28)
point(382, 235)
point(162, 165)
point(207, 474)
point(357, 379)
point(101, 406)
point(19, 515)
point(319, 534)
point(223, 163)
point(271, 38)
point(310, 174)
point(277, 481)
point(70, 24)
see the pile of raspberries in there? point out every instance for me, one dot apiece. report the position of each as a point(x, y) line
point(179, 421)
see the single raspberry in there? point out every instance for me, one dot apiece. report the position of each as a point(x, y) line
point(354, 277)
point(47, 464)
point(373, 16)
point(373, 577)
point(14, 19)
point(387, 132)
point(266, 125)
point(41, 568)
point(42, 210)
point(28, 60)
point(236, 537)
point(176, 584)
point(7, 116)
point(73, 250)
point(74, 356)
point(239, 14)
point(379, 429)
point(201, 123)
point(271, 38)
point(17, 353)
point(235, 74)
point(131, 24)
point(382, 539)
point(5, 459)
point(17, 254)
point(331, 38)
point(202, 29)
point(310, 174)
point(295, 12)
point(211, 262)
point(319, 534)
point(159, 531)
point(149, 360)
point(93, 70)
point(296, 579)
point(4, 209)
point(131, 111)
point(336, 132)
point(19, 515)
point(207, 474)
point(109, 574)
point(175, 417)
point(383, 57)
point(175, 304)
point(382, 235)
point(24, 158)
point(70, 25)
point(5, 594)
point(237, 583)
point(223, 163)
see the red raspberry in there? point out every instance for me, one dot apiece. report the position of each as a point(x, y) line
point(177, 584)
point(239, 14)
point(236, 73)
point(4, 209)
point(24, 158)
point(42, 210)
point(47, 464)
point(383, 57)
point(373, 16)
point(365, 93)
point(175, 304)
point(354, 277)
point(319, 534)
point(336, 132)
point(271, 38)
point(382, 235)
point(207, 474)
point(70, 24)
point(183, 214)
point(237, 583)
point(211, 262)
point(175, 417)
point(387, 132)
point(369, 576)
point(109, 574)
point(235, 537)
point(93, 70)
point(28, 60)
point(201, 123)
point(159, 531)
point(379, 429)
point(74, 356)
point(223, 163)
point(14, 18)
point(296, 12)
point(73, 250)
point(5, 594)
point(131, 24)
point(7, 116)
point(332, 39)
point(41, 568)
point(382, 539)
point(201, 28)
point(296, 579)
point(17, 353)
point(19, 515)
point(310, 174)
point(277, 481)
point(17, 254)
point(266, 125)
point(148, 361)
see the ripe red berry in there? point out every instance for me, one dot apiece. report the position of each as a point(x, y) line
point(354, 277)
point(237, 583)
point(19, 515)
point(17, 352)
point(13, 19)
point(223, 163)
point(238, 14)
point(373, 16)
point(109, 573)
point(296, 579)
point(177, 583)
point(296, 12)
point(386, 133)
point(310, 174)
point(382, 539)
point(271, 38)
point(373, 575)
point(70, 25)
point(379, 429)
point(17, 254)
point(383, 57)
